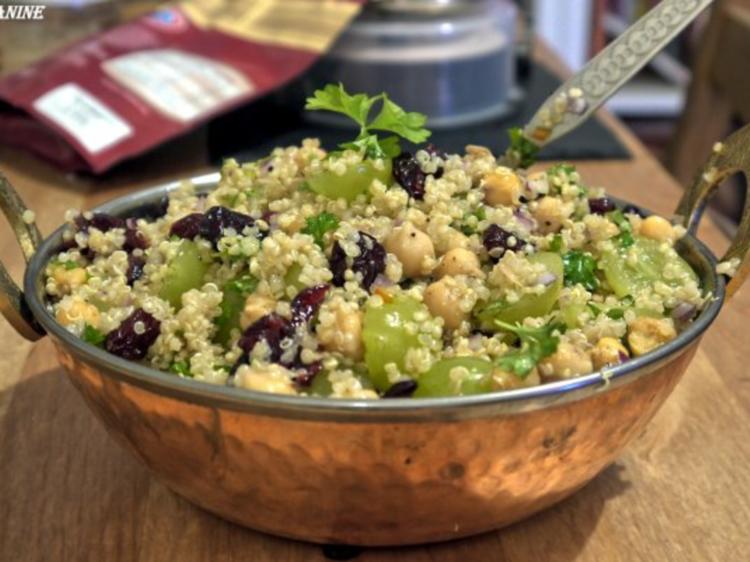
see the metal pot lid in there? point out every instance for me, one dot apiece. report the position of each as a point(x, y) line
point(425, 7)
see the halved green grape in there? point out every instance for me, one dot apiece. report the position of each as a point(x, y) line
point(636, 267)
point(235, 292)
point(528, 306)
point(571, 313)
point(386, 337)
point(355, 180)
point(184, 272)
point(439, 382)
point(321, 384)
point(291, 279)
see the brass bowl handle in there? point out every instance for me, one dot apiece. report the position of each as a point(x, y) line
point(730, 157)
point(12, 302)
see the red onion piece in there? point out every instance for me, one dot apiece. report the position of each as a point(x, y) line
point(524, 220)
point(547, 279)
point(683, 312)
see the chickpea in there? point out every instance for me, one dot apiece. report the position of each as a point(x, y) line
point(608, 351)
point(550, 214)
point(412, 247)
point(270, 378)
point(505, 380)
point(645, 334)
point(444, 302)
point(452, 240)
point(568, 361)
point(503, 187)
point(69, 279)
point(344, 335)
point(256, 307)
point(459, 262)
point(75, 311)
point(657, 228)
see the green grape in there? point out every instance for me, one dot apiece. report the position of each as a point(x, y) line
point(437, 381)
point(291, 279)
point(321, 384)
point(528, 306)
point(386, 338)
point(235, 292)
point(355, 180)
point(571, 313)
point(627, 275)
point(184, 272)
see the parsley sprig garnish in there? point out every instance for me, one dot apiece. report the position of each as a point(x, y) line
point(391, 118)
point(536, 344)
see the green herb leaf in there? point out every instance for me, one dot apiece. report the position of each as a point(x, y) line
point(318, 225)
point(70, 264)
point(468, 229)
point(406, 124)
point(391, 118)
point(557, 243)
point(625, 238)
point(335, 98)
point(93, 336)
point(181, 368)
point(616, 313)
point(562, 169)
point(580, 268)
point(536, 344)
point(523, 150)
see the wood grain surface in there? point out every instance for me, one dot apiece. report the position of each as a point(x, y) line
point(680, 492)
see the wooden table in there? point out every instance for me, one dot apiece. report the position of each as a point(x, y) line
point(680, 492)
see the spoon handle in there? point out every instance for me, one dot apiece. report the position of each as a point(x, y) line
point(574, 101)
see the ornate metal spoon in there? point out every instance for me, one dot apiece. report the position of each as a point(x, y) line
point(579, 97)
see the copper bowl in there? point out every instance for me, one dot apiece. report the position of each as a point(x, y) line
point(389, 472)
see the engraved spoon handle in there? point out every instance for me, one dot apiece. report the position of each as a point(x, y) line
point(574, 101)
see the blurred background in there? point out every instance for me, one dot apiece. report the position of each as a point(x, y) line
point(470, 65)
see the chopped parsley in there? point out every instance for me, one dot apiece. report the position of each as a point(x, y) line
point(318, 225)
point(557, 243)
point(536, 344)
point(181, 368)
point(580, 268)
point(391, 119)
point(625, 238)
point(93, 336)
point(522, 151)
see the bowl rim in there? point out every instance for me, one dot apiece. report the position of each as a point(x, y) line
point(336, 409)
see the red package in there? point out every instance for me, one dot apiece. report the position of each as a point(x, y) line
point(122, 92)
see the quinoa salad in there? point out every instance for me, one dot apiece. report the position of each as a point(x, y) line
point(370, 271)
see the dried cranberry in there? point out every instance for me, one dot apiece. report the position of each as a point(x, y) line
point(133, 336)
point(100, 221)
point(134, 238)
point(371, 259)
point(218, 219)
point(188, 227)
point(601, 206)
point(401, 389)
point(307, 373)
point(135, 269)
point(369, 263)
point(337, 264)
point(409, 174)
point(306, 303)
point(497, 241)
point(633, 210)
point(273, 329)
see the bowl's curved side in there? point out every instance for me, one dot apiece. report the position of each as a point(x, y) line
point(385, 483)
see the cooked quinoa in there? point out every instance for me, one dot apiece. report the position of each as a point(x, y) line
point(268, 285)
point(370, 272)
